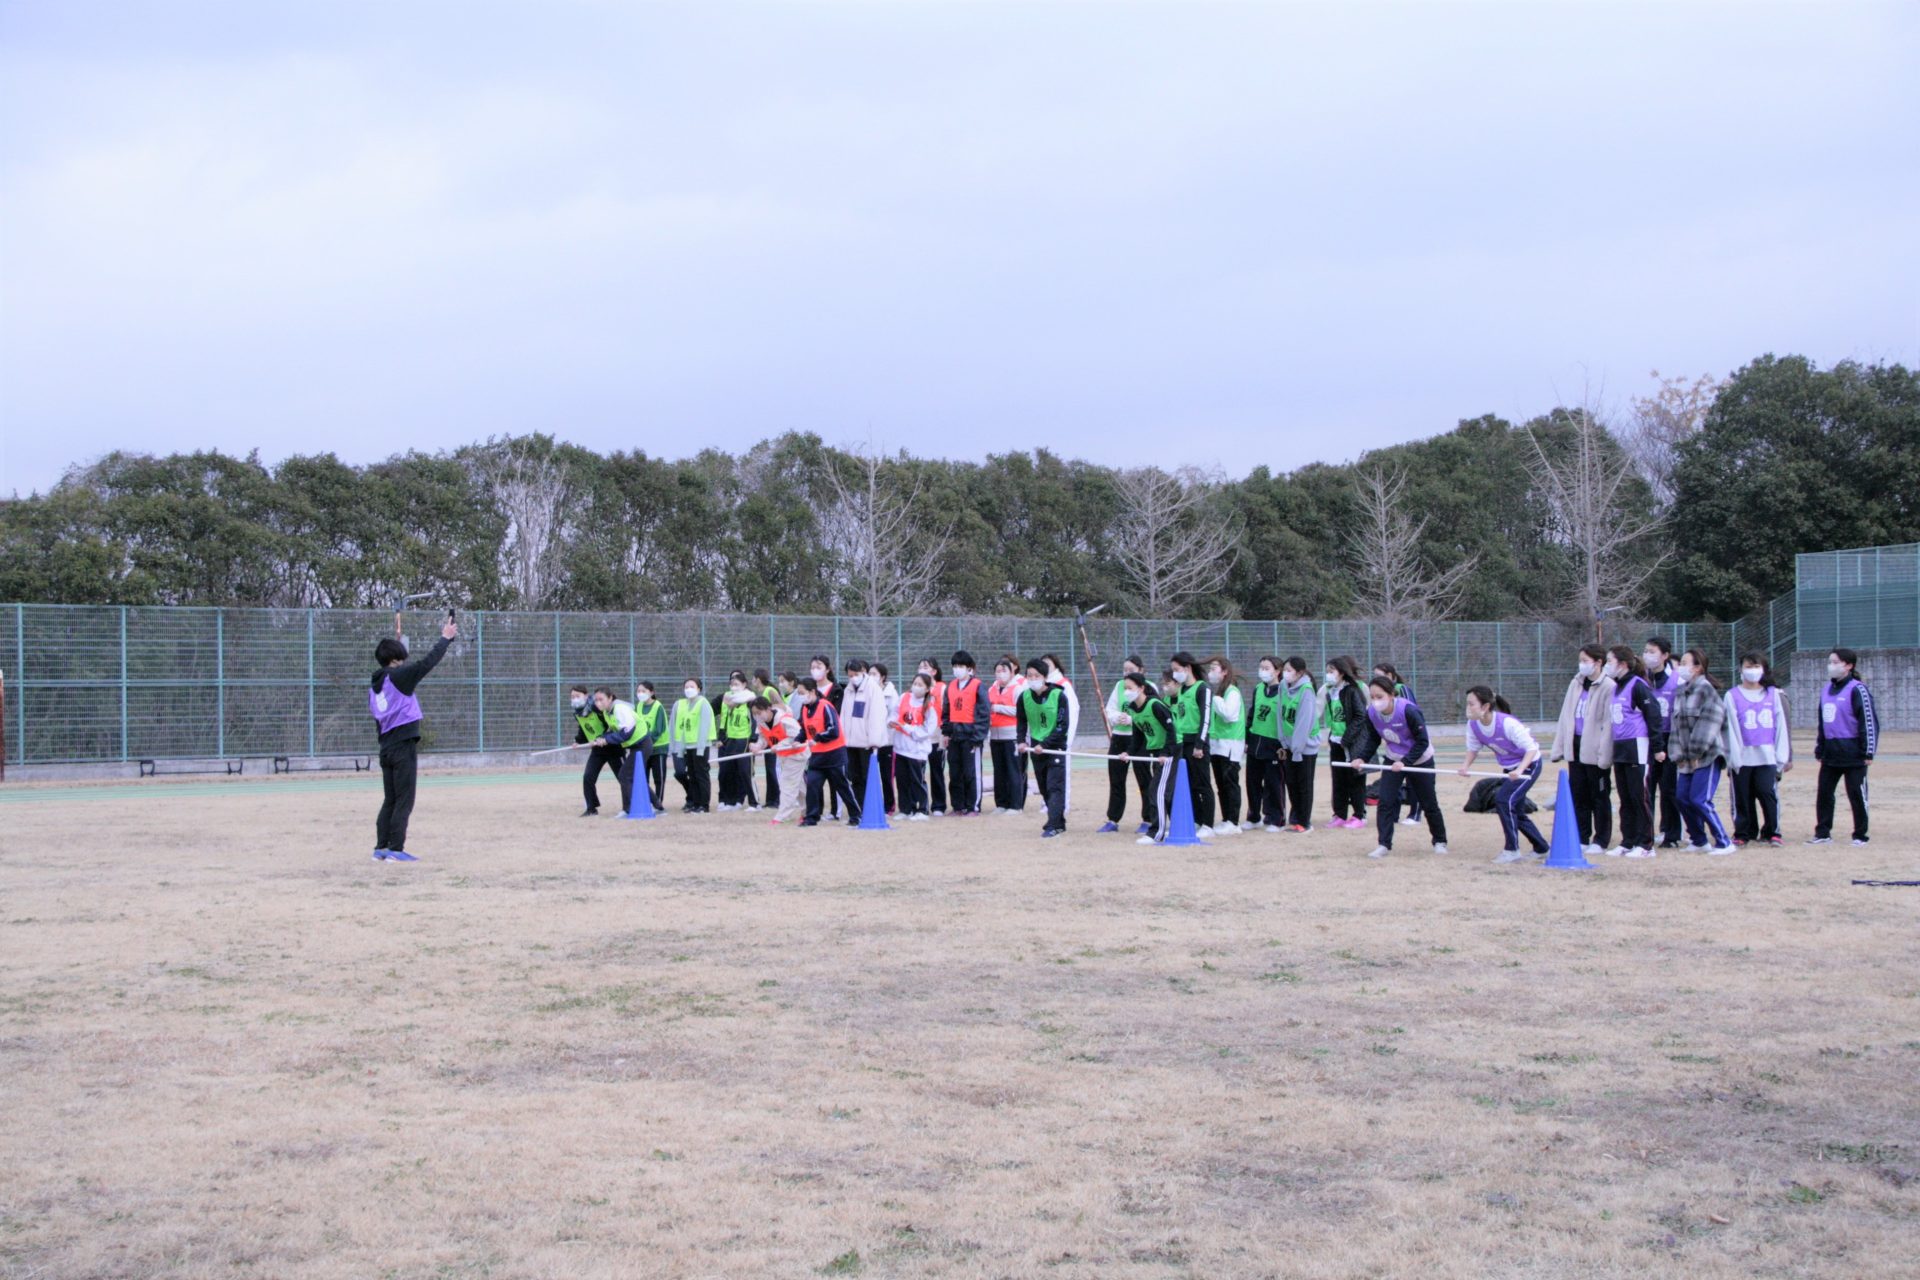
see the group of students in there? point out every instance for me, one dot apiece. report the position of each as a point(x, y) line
point(1659, 729)
point(1654, 729)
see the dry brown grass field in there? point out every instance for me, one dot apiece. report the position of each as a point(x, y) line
point(231, 1045)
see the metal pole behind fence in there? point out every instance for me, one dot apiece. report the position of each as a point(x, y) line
point(220, 681)
point(311, 736)
point(123, 682)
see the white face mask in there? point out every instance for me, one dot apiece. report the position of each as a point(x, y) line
point(1333, 677)
point(1384, 708)
point(1586, 668)
point(642, 696)
point(1612, 671)
point(1835, 670)
point(1180, 677)
point(1686, 672)
point(1215, 677)
point(818, 673)
point(1654, 659)
point(856, 681)
point(1266, 675)
point(692, 691)
point(579, 704)
point(1750, 675)
point(961, 673)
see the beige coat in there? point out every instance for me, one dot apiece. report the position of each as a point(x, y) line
point(1595, 748)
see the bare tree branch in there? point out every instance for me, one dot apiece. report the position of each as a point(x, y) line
point(1585, 488)
point(531, 492)
point(1660, 422)
point(1169, 538)
point(1397, 584)
point(892, 559)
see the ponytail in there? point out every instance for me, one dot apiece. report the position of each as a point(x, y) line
point(1488, 698)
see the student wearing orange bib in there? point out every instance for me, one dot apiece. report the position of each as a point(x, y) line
point(1009, 766)
point(827, 766)
point(916, 726)
point(783, 743)
point(964, 716)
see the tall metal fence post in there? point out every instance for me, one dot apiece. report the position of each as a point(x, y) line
point(633, 672)
point(123, 682)
point(480, 678)
point(559, 679)
point(900, 646)
point(773, 649)
point(706, 677)
point(312, 737)
point(1126, 638)
point(20, 675)
point(220, 679)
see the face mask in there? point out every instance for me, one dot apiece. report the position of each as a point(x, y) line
point(1215, 677)
point(1686, 673)
point(643, 696)
point(1266, 675)
point(1586, 669)
point(1001, 678)
point(1612, 671)
point(961, 673)
point(692, 691)
point(1180, 677)
point(579, 704)
point(1750, 675)
point(819, 673)
point(1654, 660)
point(1384, 708)
point(1333, 677)
point(1835, 670)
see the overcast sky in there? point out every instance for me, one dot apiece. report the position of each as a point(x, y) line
point(1228, 234)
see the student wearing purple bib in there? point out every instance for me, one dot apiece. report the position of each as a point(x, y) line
point(1762, 750)
point(1845, 741)
point(1491, 726)
point(1664, 778)
point(397, 715)
point(1402, 731)
point(1639, 743)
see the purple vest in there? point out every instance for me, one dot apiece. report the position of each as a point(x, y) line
point(1836, 711)
point(1758, 719)
point(1663, 694)
point(1628, 723)
point(1504, 749)
point(1395, 737)
point(392, 708)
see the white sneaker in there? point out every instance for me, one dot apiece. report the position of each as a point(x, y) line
point(1269, 827)
point(1720, 851)
point(1511, 855)
point(1614, 852)
point(916, 817)
point(1203, 832)
point(728, 808)
point(1696, 848)
point(1227, 829)
point(1379, 851)
point(1642, 852)
point(1441, 848)
point(754, 808)
point(1409, 822)
point(1146, 840)
point(1593, 850)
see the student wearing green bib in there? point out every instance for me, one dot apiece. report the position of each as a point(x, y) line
point(648, 745)
point(1192, 706)
point(1153, 736)
point(1121, 742)
point(1227, 742)
point(689, 739)
point(1266, 769)
point(1300, 737)
point(591, 725)
point(736, 733)
point(1040, 727)
point(1343, 718)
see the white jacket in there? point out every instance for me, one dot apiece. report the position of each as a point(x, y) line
point(863, 713)
point(915, 742)
point(1228, 708)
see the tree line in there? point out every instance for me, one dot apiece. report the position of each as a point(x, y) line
point(1687, 504)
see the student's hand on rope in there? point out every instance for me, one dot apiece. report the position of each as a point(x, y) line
point(1465, 773)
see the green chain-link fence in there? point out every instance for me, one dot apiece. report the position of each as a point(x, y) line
point(1867, 598)
point(111, 683)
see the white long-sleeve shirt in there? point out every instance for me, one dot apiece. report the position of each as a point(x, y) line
point(1228, 708)
point(1770, 705)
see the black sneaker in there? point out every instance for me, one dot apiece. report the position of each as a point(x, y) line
point(1669, 844)
point(1820, 840)
point(588, 813)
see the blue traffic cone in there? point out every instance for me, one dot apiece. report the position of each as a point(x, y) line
point(640, 789)
point(1180, 828)
point(1564, 852)
point(873, 801)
